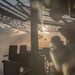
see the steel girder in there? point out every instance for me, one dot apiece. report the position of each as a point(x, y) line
point(18, 16)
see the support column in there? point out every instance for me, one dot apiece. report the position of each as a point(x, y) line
point(34, 36)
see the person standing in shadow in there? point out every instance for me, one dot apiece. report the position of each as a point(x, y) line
point(59, 54)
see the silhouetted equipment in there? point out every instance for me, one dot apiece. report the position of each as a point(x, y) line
point(23, 49)
point(24, 56)
point(16, 61)
point(11, 67)
point(12, 52)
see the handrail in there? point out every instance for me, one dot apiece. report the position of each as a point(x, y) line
point(25, 72)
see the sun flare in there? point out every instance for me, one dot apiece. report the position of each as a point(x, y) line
point(44, 29)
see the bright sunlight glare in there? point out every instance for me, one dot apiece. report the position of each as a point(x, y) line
point(44, 29)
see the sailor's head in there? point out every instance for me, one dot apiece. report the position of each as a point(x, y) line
point(56, 40)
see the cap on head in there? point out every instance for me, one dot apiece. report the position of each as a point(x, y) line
point(55, 39)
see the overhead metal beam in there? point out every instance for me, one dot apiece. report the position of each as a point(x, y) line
point(12, 10)
point(23, 5)
point(4, 12)
point(23, 10)
point(15, 7)
point(53, 23)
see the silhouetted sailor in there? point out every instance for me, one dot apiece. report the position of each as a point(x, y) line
point(59, 54)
